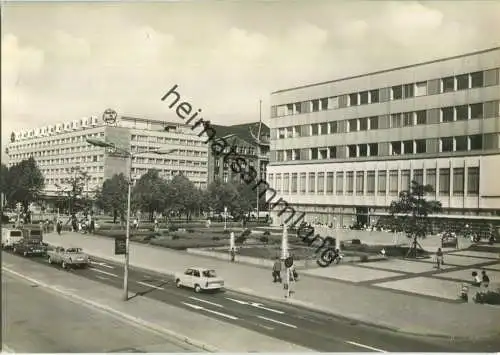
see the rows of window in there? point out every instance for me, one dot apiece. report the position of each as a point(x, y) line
point(59, 180)
point(469, 143)
point(87, 148)
point(195, 141)
point(174, 162)
point(83, 159)
point(70, 171)
point(169, 172)
point(445, 181)
point(37, 144)
point(49, 179)
point(83, 145)
point(181, 152)
point(398, 92)
point(480, 110)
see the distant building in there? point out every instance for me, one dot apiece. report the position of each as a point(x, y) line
point(244, 137)
point(61, 151)
point(342, 150)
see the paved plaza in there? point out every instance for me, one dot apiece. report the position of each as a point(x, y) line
point(420, 277)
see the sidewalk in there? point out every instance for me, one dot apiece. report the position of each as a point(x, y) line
point(407, 313)
point(195, 331)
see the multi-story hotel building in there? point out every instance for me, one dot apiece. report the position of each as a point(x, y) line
point(61, 151)
point(342, 150)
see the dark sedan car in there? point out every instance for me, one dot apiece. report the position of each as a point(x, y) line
point(30, 248)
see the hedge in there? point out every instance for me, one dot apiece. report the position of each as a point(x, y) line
point(182, 244)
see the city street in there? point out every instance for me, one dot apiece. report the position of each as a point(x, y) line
point(36, 320)
point(292, 324)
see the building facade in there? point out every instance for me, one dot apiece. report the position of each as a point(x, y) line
point(342, 150)
point(61, 151)
point(244, 140)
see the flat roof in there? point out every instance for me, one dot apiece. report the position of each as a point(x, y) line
point(387, 70)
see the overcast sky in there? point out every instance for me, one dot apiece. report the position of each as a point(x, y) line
point(64, 61)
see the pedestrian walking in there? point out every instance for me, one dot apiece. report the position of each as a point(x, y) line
point(476, 280)
point(156, 228)
point(485, 280)
point(59, 227)
point(439, 258)
point(277, 270)
point(233, 255)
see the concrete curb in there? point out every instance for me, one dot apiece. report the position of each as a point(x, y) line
point(313, 307)
point(110, 310)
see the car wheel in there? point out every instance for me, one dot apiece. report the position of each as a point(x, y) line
point(64, 265)
point(25, 254)
point(197, 288)
point(178, 283)
point(50, 260)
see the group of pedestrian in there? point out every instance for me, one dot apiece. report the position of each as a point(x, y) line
point(277, 268)
point(86, 224)
point(480, 281)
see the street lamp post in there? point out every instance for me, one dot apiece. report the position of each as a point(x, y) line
point(225, 218)
point(130, 155)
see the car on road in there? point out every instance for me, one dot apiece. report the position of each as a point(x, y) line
point(199, 279)
point(11, 236)
point(70, 257)
point(27, 247)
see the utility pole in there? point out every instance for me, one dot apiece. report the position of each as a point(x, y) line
point(258, 158)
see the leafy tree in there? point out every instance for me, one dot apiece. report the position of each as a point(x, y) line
point(247, 198)
point(410, 213)
point(76, 186)
point(182, 196)
point(149, 193)
point(24, 182)
point(113, 195)
point(223, 195)
point(4, 173)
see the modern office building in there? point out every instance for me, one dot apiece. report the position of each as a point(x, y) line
point(248, 143)
point(61, 151)
point(342, 150)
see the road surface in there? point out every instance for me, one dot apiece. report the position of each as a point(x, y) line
point(301, 326)
point(36, 320)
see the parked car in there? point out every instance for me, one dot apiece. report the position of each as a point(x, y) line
point(27, 247)
point(11, 236)
point(71, 257)
point(199, 279)
point(449, 240)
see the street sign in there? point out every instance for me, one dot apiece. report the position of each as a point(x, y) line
point(120, 246)
point(289, 262)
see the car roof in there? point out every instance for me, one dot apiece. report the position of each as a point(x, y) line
point(199, 268)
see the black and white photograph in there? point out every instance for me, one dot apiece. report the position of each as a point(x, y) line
point(267, 176)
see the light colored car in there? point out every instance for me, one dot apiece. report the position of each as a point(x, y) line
point(199, 279)
point(70, 257)
point(10, 237)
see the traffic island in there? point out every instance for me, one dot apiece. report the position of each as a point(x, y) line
point(265, 255)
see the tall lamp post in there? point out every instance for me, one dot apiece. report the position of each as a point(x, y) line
point(129, 155)
point(225, 218)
